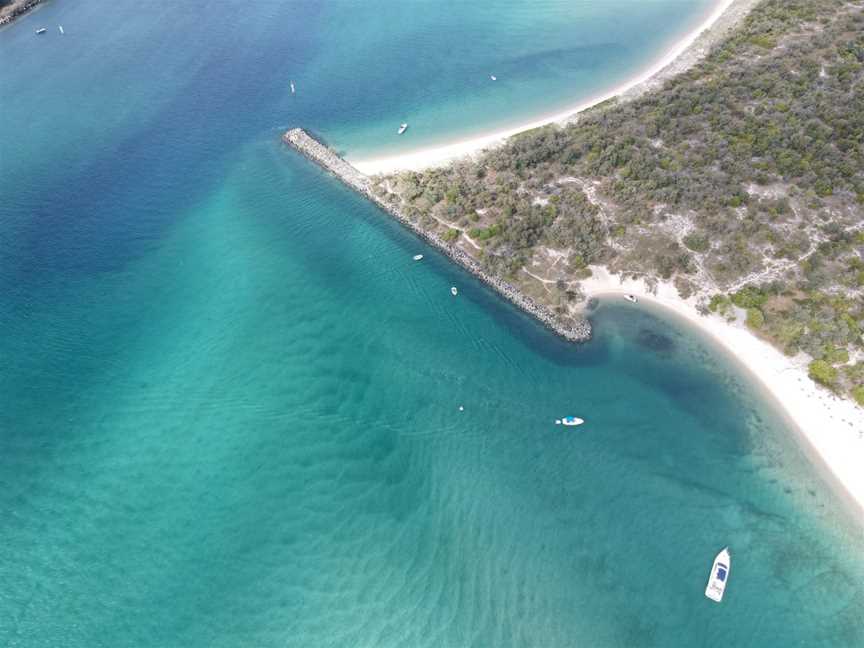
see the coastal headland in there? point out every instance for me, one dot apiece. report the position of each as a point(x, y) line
point(829, 426)
point(574, 329)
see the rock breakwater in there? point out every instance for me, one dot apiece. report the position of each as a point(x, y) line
point(573, 329)
point(16, 9)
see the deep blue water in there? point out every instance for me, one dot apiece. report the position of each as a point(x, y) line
point(230, 400)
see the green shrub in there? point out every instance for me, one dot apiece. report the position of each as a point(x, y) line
point(858, 394)
point(764, 41)
point(755, 318)
point(749, 297)
point(697, 242)
point(834, 355)
point(823, 373)
point(486, 233)
point(719, 304)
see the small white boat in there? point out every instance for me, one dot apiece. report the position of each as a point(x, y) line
point(417, 257)
point(631, 298)
point(453, 291)
point(41, 30)
point(571, 420)
point(402, 129)
point(493, 77)
point(60, 28)
point(719, 575)
point(292, 87)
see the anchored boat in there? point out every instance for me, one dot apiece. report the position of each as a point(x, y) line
point(569, 420)
point(402, 129)
point(292, 87)
point(719, 575)
point(60, 28)
point(631, 298)
point(417, 257)
point(453, 291)
point(41, 30)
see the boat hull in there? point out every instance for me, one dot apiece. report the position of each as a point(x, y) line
point(719, 576)
point(572, 421)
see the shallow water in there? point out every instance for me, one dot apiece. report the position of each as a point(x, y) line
point(231, 399)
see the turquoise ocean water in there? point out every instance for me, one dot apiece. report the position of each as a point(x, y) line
point(230, 400)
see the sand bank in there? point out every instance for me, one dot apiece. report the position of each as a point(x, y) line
point(682, 55)
point(833, 427)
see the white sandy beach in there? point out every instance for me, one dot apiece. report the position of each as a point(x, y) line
point(682, 55)
point(833, 427)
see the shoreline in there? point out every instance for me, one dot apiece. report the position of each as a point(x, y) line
point(830, 429)
point(682, 55)
point(575, 330)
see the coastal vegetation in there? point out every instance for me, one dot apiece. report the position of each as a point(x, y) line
point(741, 181)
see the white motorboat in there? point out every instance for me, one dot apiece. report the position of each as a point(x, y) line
point(41, 30)
point(493, 77)
point(417, 257)
point(453, 291)
point(571, 420)
point(719, 576)
point(292, 87)
point(60, 29)
point(402, 129)
point(631, 298)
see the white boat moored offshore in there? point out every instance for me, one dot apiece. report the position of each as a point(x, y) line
point(571, 420)
point(41, 30)
point(292, 87)
point(417, 257)
point(402, 129)
point(719, 575)
point(631, 298)
point(60, 29)
point(453, 291)
point(493, 77)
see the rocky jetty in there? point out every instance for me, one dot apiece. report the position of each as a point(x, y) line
point(16, 9)
point(575, 330)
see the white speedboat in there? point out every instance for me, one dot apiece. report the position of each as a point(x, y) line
point(60, 28)
point(571, 420)
point(719, 575)
point(41, 30)
point(417, 257)
point(292, 87)
point(402, 129)
point(453, 291)
point(631, 298)
point(493, 77)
